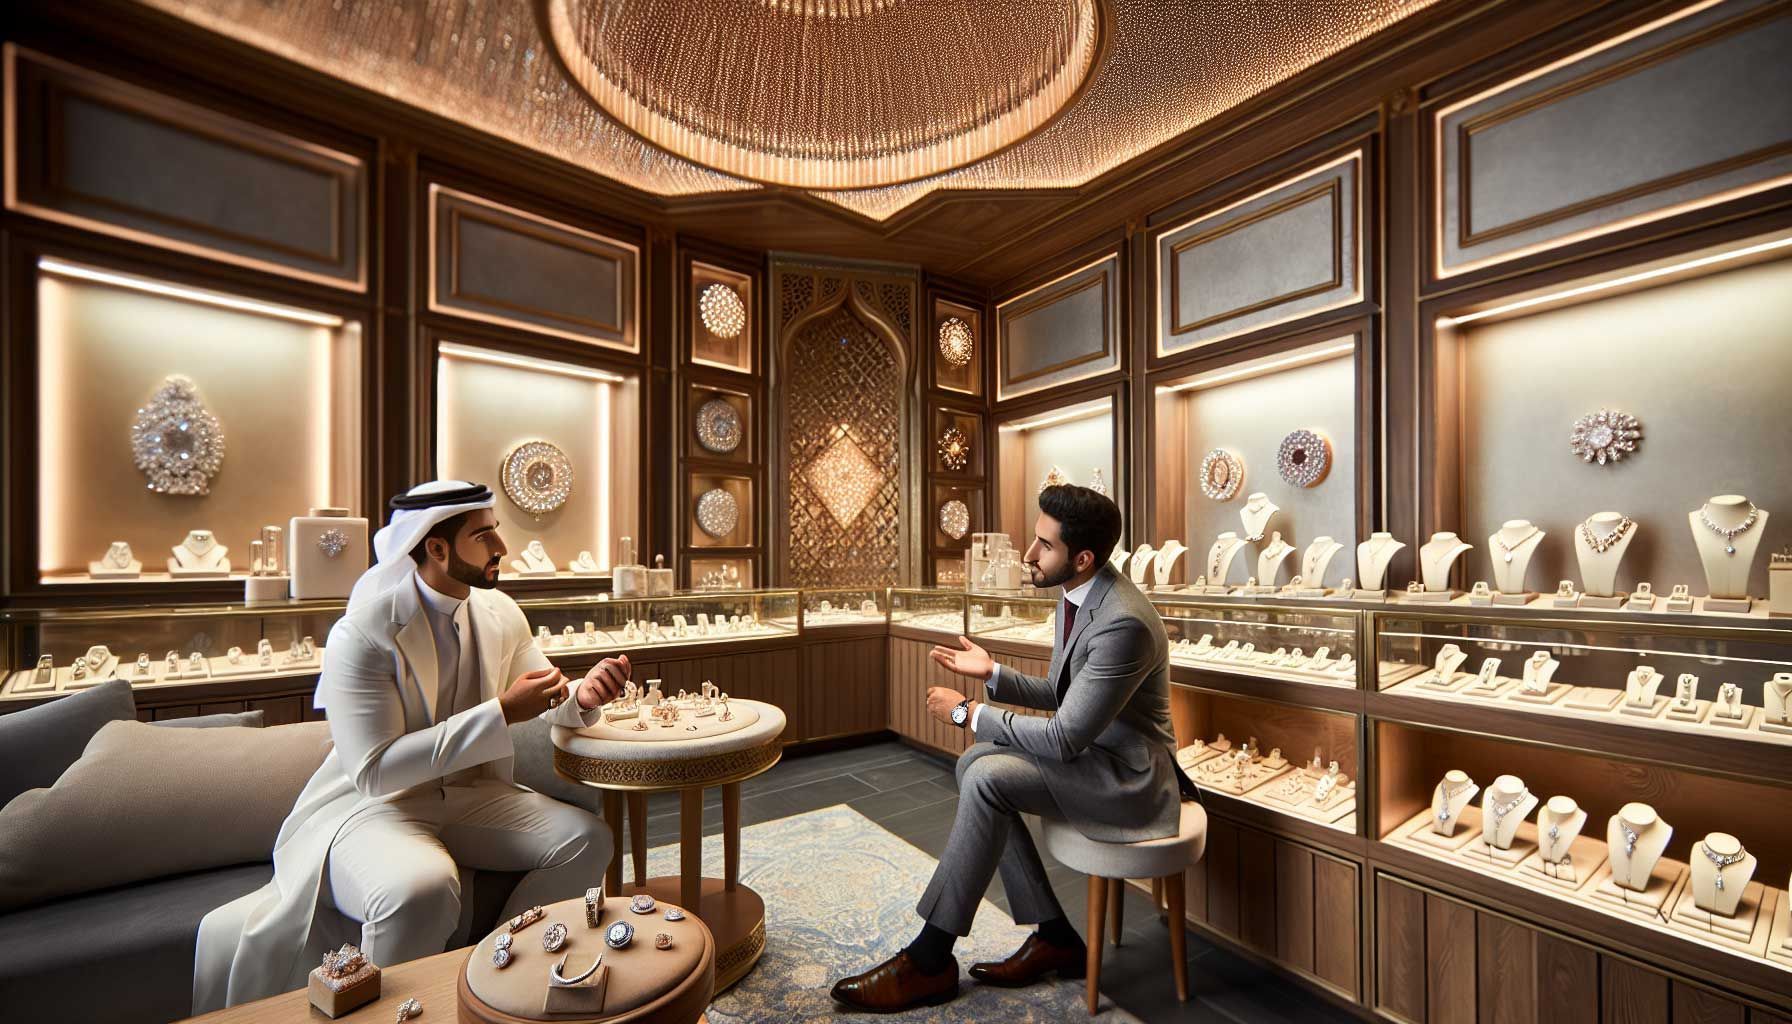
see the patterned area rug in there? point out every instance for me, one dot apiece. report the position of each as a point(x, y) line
point(840, 896)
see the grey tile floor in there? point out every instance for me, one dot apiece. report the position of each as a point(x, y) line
point(913, 794)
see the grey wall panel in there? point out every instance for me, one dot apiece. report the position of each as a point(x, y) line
point(1289, 252)
point(111, 157)
point(494, 263)
point(1249, 418)
point(1687, 359)
point(1684, 114)
point(1066, 330)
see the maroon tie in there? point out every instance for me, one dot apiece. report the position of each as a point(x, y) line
point(1069, 622)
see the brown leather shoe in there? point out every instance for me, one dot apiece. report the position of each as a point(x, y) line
point(896, 985)
point(1035, 959)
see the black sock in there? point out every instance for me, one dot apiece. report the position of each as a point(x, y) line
point(1058, 932)
point(932, 949)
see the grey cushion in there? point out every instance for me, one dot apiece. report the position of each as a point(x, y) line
point(1153, 858)
point(533, 766)
point(38, 744)
point(246, 719)
point(138, 938)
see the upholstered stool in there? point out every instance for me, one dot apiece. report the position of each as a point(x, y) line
point(1109, 865)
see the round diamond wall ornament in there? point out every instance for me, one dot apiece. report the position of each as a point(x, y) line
point(723, 313)
point(718, 426)
point(1222, 474)
point(956, 343)
point(1605, 436)
point(176, 441)
point(717, 513)
point(1304, 458)
point(537, 477)
point(955, 519)
point(954, 449)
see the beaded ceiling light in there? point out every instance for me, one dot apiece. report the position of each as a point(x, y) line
point(676, 97)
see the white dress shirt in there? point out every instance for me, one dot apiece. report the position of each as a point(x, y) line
point(456, 688)
point(1075, 596)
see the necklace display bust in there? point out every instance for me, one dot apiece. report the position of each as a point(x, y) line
point(1436, 558)
point(1728, 530)
point(1511, 548)
point(118, 563)
point(534, 561)
point(1258, 510)
point(198, 555)
point(1372, 558)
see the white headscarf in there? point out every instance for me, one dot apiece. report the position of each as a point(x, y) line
point(414, 513)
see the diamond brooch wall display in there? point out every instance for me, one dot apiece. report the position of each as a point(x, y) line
point(176, 441)
point(954, 449)
point(332, 543)
point(718, 426)
point(1222, 474)
point(956, 343)
point(537, 477)
point(722, 312)
point(955, 519)
point(717, 513)
point(1304, 457)
point(1605, 436)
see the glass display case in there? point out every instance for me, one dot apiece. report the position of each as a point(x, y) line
point(1732, 682)
point(845, 607)
point(1291, 643)
point(585, 626)
point(938, 611)
point(51, 652)
point(1024, 617)
point(1298, 761)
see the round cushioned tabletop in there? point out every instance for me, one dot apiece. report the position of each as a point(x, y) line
point(754, 724)
point(637, 976)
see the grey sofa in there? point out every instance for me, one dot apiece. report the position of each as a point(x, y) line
point(52, 951)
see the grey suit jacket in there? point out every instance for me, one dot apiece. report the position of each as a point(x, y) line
point(1107, 752)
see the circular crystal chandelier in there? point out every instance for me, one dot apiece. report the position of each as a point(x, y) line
point(723, 313)
point(828, 94)
point(955, 341)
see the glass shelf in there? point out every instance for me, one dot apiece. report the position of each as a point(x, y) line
point(1016, 617)
point(571, 627)
point(1289, 643)
point(934, 610)
point(845, 607)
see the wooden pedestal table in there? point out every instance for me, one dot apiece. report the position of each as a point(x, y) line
point(691, 755)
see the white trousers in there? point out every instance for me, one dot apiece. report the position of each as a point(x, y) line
point(395, 866)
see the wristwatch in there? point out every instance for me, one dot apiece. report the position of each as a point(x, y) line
point(961, 714)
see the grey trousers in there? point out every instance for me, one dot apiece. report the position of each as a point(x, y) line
point(996, 785)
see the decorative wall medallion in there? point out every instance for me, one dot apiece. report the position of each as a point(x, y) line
point(956, 343)
point(1605, 436)
point(332, 543)
point(1222, 474)
point(176, 441)
point(722, 311)
point(1053, 477)
point(954, 449)
point(718, 426)
point(537, 477)
point(1304, 458)
point(717, 513)
point(955, 519)
point(845, 478)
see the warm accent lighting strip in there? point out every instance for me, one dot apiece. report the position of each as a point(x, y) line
point(483, 355)
point(1617, 282)
point(60, 268)
point(1077, 412)
point(1301, 358)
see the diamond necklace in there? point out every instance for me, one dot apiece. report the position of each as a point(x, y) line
point(1507, 548)
point(1444, 795)
point(1600, 544)
point(1720, 860)
point(1500, 813)
point(1728, 533)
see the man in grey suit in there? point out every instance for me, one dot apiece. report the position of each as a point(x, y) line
point(1104, 761)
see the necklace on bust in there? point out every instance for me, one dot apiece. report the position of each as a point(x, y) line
point(1729, 533)
point(1501, 810)
point(1721, 861)
point(1600, 543)
point(200, 541)
point(1507, 550)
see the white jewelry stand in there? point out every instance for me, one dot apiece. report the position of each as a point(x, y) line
point(199, 556)
point(1164, 564)
point(1511, 548)
point(1642, 599)
point(584, 565)
point(1776, 703)
point(1452, 794)
point(116, 564)
point(1443, 674)
point(1258, 510)
point(1118, 559)
point(1727, 561)
point(535, 561)
point(1686, 705)
point(1435, 560)
point(1219, 560)
point(1141, 561)
point(1537, 687)
point(1563, 858)
point(1269, 561)
point(1728, 710)
point(1487, 681)
point(1372, 558)
point(1315, 562)
point(1638, 878)
point(1640, 697)
point(1499, 832)
point(1706, 905)
point(1599, 569)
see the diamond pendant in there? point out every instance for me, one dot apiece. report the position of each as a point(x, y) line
point(1720, 883)
point(1508, 556)
point(1555, 832)
point(1729, 549)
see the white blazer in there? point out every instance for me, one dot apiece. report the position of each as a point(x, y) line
point(378, 687)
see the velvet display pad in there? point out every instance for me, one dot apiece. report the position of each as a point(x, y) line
point(707, 726)
point(638, 974)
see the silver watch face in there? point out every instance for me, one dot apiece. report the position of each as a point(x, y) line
point(959, 714)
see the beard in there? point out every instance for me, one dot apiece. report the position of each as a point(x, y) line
point(1042, 581)
point(472, 575)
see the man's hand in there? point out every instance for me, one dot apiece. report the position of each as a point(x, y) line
point(971, 661)
point(603, 683)
point(942, 699)
point(531, 694)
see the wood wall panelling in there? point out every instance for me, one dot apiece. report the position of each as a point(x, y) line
point(1062, 331)
point(1505, 971)
point(1450, 961)
point(1257, 890)
point(96, 153)
point(1632, 995)
point(1567, 976)
point(502, 265)
point(1222, 876)
point(1400, 949)
point(1687, 114)
point(1295, 934)
point(844, 686)
point(1695, 1005)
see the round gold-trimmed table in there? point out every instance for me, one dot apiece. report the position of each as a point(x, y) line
point(689, 756)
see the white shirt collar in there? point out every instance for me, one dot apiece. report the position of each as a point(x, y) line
point(1081, 593)
point(438, 602)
